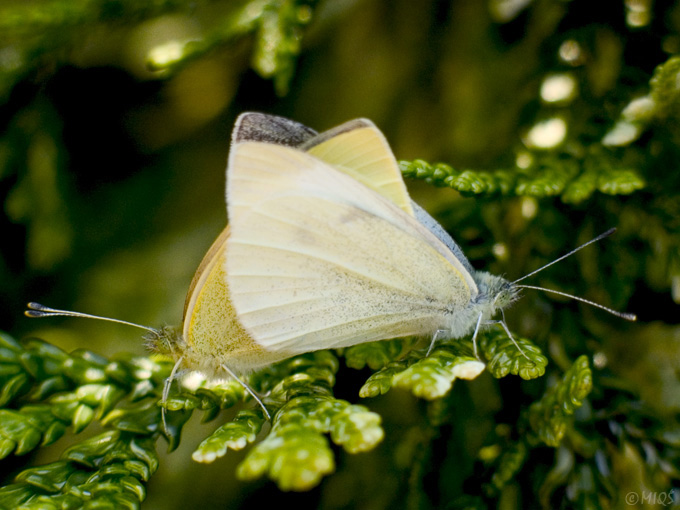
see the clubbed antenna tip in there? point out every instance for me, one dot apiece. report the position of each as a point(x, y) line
point(622, 315)
point(36, 310)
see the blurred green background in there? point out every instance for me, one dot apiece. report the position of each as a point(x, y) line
point(115, 119)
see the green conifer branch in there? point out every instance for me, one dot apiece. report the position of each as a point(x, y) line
point(276, 26)
point(550, 415)
point(108, 471)
point(381, 381)
point(432, 377)
point(123, 396)
point(61, 390)
point(570, 179)
point(507, 466)
point(546, 420)
point(608, 429)
point(234, 435)
point(504, 357)
point(296, 453)
point(112, 468)
point(660, 106)
point(376, 355)
point(664, 89)
point(573, 176)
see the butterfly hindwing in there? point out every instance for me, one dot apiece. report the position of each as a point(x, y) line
point(360, 150)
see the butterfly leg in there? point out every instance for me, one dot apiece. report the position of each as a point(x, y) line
point(507, 330)
point(249, 390)
point(474, 336)
point(166, 391)
point(440, 333)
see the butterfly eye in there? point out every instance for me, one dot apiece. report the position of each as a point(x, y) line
point(506, 295)
point(164, 341)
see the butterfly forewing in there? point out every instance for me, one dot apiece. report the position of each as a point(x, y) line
point(317, 260)
point(210, 325)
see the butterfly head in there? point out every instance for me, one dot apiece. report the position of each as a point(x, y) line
point(506, 295)
point(495, 292)
point(166, 341)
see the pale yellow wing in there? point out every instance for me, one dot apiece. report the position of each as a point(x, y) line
point(360, 150)
point(203, 271)
point(318, 260)
point(210, 327)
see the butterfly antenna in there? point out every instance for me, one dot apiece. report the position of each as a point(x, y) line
point(598, 238)
point(622, 315)
point(36, 310)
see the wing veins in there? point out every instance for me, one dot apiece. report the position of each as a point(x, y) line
point(347, 269)
point(362, 319)
point(363, 250)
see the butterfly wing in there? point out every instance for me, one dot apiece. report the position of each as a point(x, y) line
point(317, 260)
point(433, 226)
point(357, 148)
point(262, 127)
point(210, 327)
point(360, 150)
